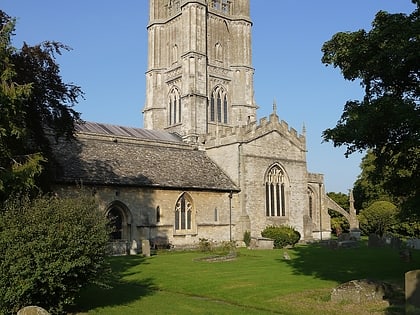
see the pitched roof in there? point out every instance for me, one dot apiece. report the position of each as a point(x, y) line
point(113, 155)
point(123, 131)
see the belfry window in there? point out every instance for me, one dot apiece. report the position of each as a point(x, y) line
point(275, 192)
point(221, 5)
point(174, 107)
point(184, 215)
point(219, 107)
point(173, 7)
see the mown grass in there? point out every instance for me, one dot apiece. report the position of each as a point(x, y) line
point(256, 282)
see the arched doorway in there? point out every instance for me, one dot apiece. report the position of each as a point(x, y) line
point(120, 221)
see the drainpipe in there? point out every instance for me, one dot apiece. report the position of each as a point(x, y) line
point(230, 216)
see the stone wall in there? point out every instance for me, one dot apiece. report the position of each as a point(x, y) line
point(212, 211)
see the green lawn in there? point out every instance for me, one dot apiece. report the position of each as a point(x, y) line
point(256, 282)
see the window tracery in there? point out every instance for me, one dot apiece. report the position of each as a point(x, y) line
point(184, 215)
point(221, 5)
point(219, 107)
point(173, 7)
point(174, 107)
point(275, 192)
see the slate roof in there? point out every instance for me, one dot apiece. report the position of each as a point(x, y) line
point(124, 156)
point(131, 132)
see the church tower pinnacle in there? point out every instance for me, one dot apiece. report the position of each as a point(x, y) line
point(200, 73)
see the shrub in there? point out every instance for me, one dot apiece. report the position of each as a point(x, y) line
point(282, 235)
point(227, 247)
point(205, 245)
point(49, 249)
point(378, 218)
point(247, 238)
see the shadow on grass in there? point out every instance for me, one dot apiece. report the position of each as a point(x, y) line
point(346, 264)
point(120, 292)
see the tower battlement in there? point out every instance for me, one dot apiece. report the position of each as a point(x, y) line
point(225, 135)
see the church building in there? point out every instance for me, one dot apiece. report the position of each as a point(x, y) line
point(204, 166)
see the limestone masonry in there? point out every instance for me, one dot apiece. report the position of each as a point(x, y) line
point(204, 166)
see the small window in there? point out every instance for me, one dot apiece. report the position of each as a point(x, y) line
point(157, 214)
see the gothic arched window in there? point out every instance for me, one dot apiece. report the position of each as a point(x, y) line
point(184, 215)
point(311, 197)
point(219, 107)
point(275, 194)
point(175, 107)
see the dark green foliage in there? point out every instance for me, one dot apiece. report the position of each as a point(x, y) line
point(407, 229)
point(378, 218)
point(282, 235)
point(35, 106)
point(49, 249)
point(369, 186)
point(247, 238)
point(387, 120)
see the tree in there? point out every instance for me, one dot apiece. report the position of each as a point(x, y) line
point(35, 103)
point(369, 187)
point(387, 121)
point(378, 218)
point(281, 235)
point(14, 170)
point(49, 249)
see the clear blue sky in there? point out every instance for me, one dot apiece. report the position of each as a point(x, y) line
point(109, 61)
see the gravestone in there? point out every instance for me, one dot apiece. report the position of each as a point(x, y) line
point(261, 243)
point(344, 237)
point(412, 291)
point(145, 248)
point(375, 241)
point(361, 291)
point(32, 310)
point(405, 254)
point(355, 234)
point(134, 248)
point(396, 243)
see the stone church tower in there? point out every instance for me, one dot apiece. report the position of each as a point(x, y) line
point(204, 166)
point(199, 85)
point(200, 74)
